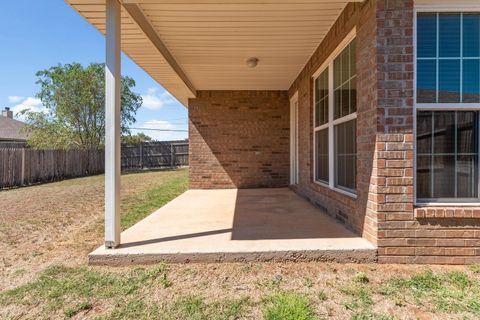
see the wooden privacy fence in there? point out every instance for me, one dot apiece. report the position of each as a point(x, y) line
point(158, 154)
point(24, 166)
point(27, 166)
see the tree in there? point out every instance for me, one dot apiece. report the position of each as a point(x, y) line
point(74, 97)
point(136, 138)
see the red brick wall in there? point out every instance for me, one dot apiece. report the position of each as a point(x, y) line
point(384, 210)
point(239, 139)
point(357, 213)
point(445, 235)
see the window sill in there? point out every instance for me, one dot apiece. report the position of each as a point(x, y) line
point(447, 211)
point(346, 193)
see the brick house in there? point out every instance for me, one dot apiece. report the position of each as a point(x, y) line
point(368, 109)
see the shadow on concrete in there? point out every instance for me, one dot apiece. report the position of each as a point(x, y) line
point(281, 214)
point(173, 238)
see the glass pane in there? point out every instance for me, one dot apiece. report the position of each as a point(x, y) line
point(471, 81)
point(449, 81)
point(353, 59)
point(345, 155)
point(353, 95)
point(344, 80)
point(322, 85)
point(424, 176)
point(318, 110)
point(449, 35)
point(321, 99)
point(424, 132)
point(451, 171)
point(467, 132)
point(322, 155)
point(337, 104)
point(337, 72)
point(321, 112)
point(426, 81)
point(427, 35)
point(467, 186)
point(471, 35)
point(345, 105)
point(444, 134)
point(345, 64)
point(325, 109)
point(443, 176)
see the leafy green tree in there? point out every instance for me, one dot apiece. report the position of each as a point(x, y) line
point(74, 97)
point(136, 138)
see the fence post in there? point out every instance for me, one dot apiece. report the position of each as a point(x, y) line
point(172, 155)
point(141, 155)
point(22, 178)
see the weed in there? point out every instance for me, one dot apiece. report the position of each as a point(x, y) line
point(361, 277)
point(367, 315)
point(82, 306)
point(475, 268)
point(271, 284)
point(194, 308)
point(190, 307)
point(308, 282)
point(350, 271)
point(133, 309)
point(287, 306)
point(36, 253)
point(165, 281)
point(322, 296)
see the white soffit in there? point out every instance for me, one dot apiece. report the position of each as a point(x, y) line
point(448, 4)
point(206, 42)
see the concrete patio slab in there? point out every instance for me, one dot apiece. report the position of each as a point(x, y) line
point(236, 225)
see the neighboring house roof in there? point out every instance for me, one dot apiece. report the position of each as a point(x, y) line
point(11, 129)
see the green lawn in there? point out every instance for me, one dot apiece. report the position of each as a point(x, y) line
point(150, 293)
point(137, 206)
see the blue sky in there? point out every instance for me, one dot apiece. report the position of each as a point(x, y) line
point(39, 34)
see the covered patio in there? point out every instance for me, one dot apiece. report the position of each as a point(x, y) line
point(231, 225)
point(232, 64)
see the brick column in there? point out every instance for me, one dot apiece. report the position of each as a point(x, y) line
point(392, 182)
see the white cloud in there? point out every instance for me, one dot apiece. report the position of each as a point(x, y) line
point(30, 103)
point(154, 100)
point(14, 99)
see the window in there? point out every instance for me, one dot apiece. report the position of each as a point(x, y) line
point(335, 104)
point(448, 58)
point(447, 155)
point(447, 106)
point(345, 155)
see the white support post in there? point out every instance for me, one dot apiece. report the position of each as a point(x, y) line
point(112, 125)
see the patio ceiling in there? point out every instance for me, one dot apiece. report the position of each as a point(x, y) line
point(189, 45)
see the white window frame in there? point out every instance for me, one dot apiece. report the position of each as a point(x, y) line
point(433, 6)
point(330, 125)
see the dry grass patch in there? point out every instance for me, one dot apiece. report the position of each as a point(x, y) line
point(268, 291)
point(46, 232)
point(61, 222)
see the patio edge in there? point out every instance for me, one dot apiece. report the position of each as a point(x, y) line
point(341, 256)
